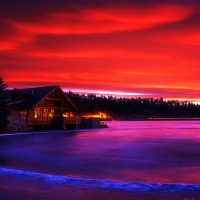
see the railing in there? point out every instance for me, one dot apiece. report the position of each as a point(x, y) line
point(40, 120)
point(51, 120)
point(73, 120)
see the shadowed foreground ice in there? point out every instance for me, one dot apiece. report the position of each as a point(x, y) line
point(104, 184)
point(129, 156)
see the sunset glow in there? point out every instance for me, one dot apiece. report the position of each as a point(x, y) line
point(120, 48)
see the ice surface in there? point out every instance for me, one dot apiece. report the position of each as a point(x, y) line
point(105, 184)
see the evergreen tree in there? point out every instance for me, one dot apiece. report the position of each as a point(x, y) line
point(4, 106)
point(135, 108)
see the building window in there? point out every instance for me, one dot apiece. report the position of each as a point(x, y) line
point(23, 112)
point(35, 114)
point(50, 115)
point(51, 112)
point(45, 110)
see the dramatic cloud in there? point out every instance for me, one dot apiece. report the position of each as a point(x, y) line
point(128, 47)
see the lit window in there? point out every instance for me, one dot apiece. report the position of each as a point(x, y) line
point(35, 114)
point(50, 115)
point(23, 113)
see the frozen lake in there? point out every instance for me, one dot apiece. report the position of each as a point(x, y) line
point(137, 151)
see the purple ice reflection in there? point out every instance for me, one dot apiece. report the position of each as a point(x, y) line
point(133, 151)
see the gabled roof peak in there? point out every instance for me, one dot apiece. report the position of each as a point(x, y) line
point(34, 95)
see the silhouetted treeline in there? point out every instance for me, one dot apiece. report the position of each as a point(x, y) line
point(4, 108)
point(134, 108)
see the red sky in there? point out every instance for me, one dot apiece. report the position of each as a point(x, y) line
point(142, 48)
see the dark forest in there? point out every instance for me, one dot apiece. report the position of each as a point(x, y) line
point(134, 108)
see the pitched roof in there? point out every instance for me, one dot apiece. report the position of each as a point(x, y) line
point(30, 97)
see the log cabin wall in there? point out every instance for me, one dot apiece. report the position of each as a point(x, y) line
point(51, 111)
point(43, 107)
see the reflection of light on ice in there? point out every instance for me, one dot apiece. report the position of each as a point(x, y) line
point(106, 184)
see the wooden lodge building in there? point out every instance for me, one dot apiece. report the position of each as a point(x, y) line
point(41, 108)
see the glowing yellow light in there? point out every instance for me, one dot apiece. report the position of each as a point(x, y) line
point(100, 115)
